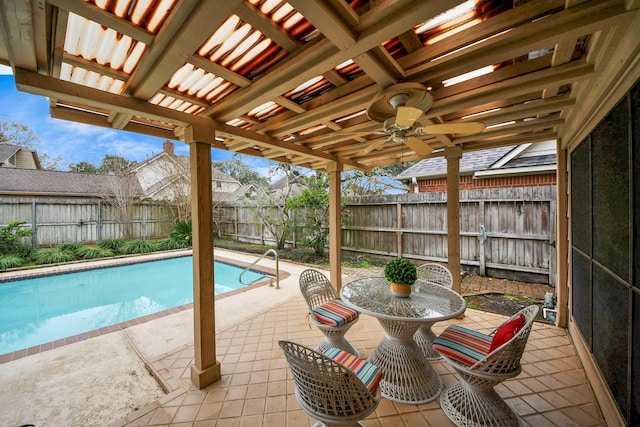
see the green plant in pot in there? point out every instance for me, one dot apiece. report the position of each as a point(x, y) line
point(401, 274)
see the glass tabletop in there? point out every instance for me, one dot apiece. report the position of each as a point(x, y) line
point(428, 301)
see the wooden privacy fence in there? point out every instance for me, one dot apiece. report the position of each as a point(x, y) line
point(504, 232)
point(56, 221)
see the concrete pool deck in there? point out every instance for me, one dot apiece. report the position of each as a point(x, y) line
point(103, 378)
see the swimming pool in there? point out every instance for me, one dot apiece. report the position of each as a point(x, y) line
point(44, 309)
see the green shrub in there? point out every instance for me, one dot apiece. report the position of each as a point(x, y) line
point(10, 261)
point(10, 236)
point(140, 246)
point(53, 256)
point(23, 251)
point(70, 246)
point(74, 248)
point(114, 244)
point(183, 231)
point(97, 252)
point(170, 243)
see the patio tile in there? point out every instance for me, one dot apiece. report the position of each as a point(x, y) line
point(538, 403)
point(186, 413)
point(209, 411)
point(257, 388)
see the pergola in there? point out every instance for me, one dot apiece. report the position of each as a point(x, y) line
point(291, 81)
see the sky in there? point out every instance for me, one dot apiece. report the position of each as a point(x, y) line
point(75, 142)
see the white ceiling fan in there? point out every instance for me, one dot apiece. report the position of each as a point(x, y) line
point(398, 107)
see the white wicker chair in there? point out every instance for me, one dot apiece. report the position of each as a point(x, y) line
point(327, 390)
point(473, 401)
point(317, 291)
point(438, 274)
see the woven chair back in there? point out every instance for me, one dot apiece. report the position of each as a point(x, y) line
point(435, 273)
point(325, 387)
point(506, 358)
point(316, 288)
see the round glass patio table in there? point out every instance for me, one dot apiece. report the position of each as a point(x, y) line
point(408, 375)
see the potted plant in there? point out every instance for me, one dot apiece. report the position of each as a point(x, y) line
point(401, 274)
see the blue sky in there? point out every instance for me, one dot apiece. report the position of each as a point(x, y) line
point(75, 142)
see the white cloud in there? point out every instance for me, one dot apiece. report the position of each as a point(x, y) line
point(5, 71)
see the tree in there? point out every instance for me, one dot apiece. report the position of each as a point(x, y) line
point(175, 178)
point(241, 171)
point(16, 134)
point(114, 165)
point(270, 208)
point(22, 136)
point(311, 211)
point(83, 167)
point(125, 188)
point(379, 181)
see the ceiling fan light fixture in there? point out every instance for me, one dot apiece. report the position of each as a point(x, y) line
point(408, 94)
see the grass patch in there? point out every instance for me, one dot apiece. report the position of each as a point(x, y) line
point(470, 304)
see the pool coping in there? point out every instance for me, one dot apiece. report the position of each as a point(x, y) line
point(120, 261)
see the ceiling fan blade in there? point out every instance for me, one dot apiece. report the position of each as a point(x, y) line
point(420, 147)
point(406, 116)
point(448, 128)
point(373, 145)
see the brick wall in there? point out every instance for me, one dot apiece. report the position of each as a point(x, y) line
point(467, 182)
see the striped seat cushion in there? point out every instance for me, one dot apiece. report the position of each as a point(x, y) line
point(463, 345)
point(368, 373)
point(334, 313)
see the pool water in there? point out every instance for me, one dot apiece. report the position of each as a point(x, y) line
point(44, 309)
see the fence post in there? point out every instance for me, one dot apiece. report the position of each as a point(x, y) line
point(481, 253)
point(399, 227)
point(34, 222)
point(99, 221)
point(235, 213)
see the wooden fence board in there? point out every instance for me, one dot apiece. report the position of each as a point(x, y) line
point(57, 221)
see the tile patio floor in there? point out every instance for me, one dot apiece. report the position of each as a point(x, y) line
point(256, 388)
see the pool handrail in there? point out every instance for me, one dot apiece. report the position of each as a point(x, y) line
point(275, 255)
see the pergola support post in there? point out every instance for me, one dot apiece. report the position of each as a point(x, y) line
point(453, 156)
point(335, 229)
point(562, 236)
point(205, 369)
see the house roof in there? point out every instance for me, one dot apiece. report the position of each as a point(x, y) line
point(469, 162)
point(183, 162)
point(503, 160)
point(291, 81)
point(237, 194)
point(15, 181)
point(6, 151)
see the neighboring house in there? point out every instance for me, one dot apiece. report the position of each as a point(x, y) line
point(12, 156)
point(21, 176)
point(15, 182)
point(287, 187)
point(520, 166)
point(161, 177)
point(165, 176)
